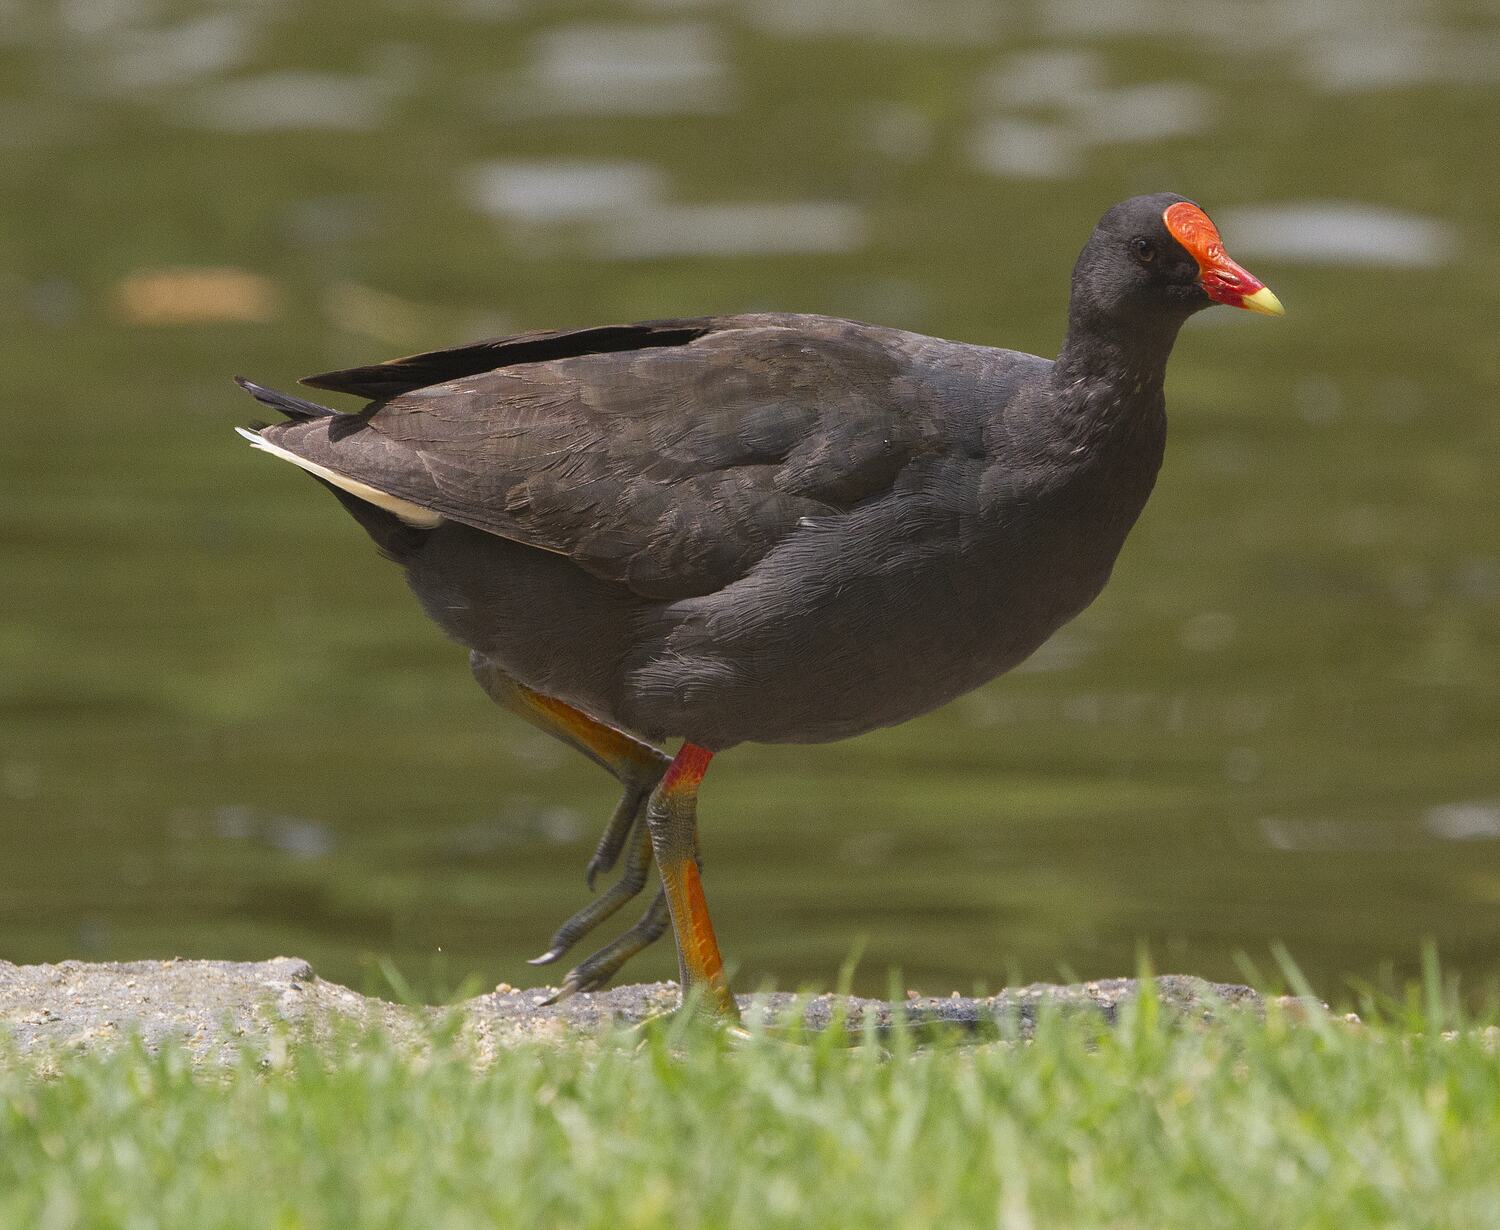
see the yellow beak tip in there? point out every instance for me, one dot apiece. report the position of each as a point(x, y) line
point(1264, 302)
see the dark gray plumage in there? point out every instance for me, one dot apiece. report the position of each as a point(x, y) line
point(771, 527)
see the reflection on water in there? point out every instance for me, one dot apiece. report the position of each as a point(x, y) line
point(554, 190)
point(1340, 233)
point(736, 230)
point(1456, 822)
point(1464, 821)
point(950, 23)
point(1052, 106)
point(140, 59)
point(620, 69)
point(633, 222)
point(290, 101)
point(226, 731)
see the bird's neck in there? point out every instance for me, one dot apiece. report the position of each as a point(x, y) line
point(1100, 348)
point(1108, 379)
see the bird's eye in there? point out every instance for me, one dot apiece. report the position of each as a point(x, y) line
point(1143, 250)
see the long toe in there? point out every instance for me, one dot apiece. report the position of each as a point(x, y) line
point(616, 833)
point(631, 881)
point(594, 973)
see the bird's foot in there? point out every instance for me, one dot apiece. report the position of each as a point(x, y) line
point(702, 1008)
point(594, 973)
point(631, 881)
point(617, 832)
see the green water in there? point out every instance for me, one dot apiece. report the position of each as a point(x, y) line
point(225, 729)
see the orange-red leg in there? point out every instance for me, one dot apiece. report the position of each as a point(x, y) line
point(638, 766)
point(672, 815)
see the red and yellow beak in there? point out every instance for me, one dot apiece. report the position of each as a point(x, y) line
point(1223, 280)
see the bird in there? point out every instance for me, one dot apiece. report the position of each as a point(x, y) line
point(765, 527)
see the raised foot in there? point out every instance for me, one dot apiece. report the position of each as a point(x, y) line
point(594, 973)
point(630, 883)
point(617, 832)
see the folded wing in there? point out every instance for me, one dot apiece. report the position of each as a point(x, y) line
point(668, 457)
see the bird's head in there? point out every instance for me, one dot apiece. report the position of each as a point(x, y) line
point(1160, 256)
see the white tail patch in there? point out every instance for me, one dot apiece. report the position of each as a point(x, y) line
point(412, 514)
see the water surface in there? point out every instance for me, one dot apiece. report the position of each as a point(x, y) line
point(225, 730)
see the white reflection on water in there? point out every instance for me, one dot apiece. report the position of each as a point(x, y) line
point(1231, 24)
point(484, 10)
point(524, 822)
point(1078, 112)
point(1467, 821)
point(942, 22)
point(1066, 648)
point(561, 189)
point(1311, 833)
point(1339, 233)
point(1342, 45)
point(1025, 149)
point(284, 101)
point(1464, 821)
point(628, 70)
point(292, 835)
point(141, 59)
point(1071, 81)
point(1147, 112)
point(1118, 17)
point(89, 18)
point(1394, 58)
point(1051, 76)
point(634, 222)
point(736, 230)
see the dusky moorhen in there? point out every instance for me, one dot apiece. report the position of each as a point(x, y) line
point(768, 527)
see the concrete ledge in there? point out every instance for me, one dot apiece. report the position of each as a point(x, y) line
point(215, 1009)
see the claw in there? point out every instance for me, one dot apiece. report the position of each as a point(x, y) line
point(551, 955)
point(568, 989)
point(594, 973)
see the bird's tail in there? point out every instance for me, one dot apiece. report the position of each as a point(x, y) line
point(298, 409)
point(397, 526)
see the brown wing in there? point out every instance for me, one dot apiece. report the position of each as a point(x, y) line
point(669, 468)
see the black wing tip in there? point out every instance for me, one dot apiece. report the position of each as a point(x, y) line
point(379, 381)
point(327, 380)
point(295, 408)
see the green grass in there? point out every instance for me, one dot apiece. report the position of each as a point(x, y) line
point(1281, 1123)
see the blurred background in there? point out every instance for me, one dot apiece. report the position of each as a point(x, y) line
point(226, 730)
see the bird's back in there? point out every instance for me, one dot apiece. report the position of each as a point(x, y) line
point(765, 527)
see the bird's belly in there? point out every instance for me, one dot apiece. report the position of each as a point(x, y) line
point(840, 652)
point(545, 622)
